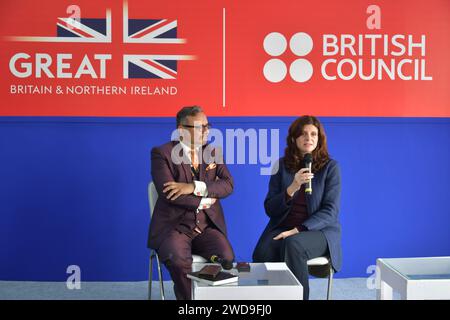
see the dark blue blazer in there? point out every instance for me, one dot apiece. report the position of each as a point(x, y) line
point(322, 205)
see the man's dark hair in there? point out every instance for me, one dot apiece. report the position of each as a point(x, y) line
point(187, 111)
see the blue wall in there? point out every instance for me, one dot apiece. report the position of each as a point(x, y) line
point(74, 191)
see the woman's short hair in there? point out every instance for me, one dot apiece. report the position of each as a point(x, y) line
point(293, 159)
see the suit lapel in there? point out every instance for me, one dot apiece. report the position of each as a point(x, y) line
point(289, 177)
point(206, 160)
point(185, 165)
point(204, 163)
point(202, 171)
point(187, 172)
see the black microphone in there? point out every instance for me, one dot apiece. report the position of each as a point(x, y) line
point(308, 164)
point(226, 264)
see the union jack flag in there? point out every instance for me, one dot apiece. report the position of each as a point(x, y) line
point(149, 30)
point(98, 30)
point(163, 31)
point(151, 66)
point(77, 30)
point(82, 28)
point(152, 31)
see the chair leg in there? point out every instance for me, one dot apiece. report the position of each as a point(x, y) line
point(330, 282)
point(161, 281)
point(150, 280)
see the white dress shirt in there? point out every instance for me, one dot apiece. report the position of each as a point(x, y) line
point(200, 189)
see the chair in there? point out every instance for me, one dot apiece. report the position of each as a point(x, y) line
point(152, 197)
point(322, 261)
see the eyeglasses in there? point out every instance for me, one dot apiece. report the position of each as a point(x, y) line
point(202, 127)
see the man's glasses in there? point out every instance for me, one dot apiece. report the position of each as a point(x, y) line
point(203, 127)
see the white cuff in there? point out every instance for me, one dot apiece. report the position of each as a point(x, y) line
point(205, 203)
point(200, 189)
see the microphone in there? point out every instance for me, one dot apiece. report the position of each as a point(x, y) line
point(308, 164)
point(226, 264)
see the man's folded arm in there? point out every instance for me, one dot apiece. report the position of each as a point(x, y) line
point(223, 185)
point(161, 174)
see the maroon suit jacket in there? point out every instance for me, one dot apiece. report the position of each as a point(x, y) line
point(168, 213)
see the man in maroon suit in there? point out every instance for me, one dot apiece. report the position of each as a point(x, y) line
point(190, 178)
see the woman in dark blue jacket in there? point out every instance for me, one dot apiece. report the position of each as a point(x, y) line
point(303, 226)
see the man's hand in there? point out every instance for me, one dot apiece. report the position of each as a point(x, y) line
point(286, 234)
point(177, 189)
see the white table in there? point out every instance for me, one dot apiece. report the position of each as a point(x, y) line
point(414, 278)
point(265, 281)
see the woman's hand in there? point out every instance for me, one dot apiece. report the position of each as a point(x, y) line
point(177, 189)
point(286, 234)
point(301, 177)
